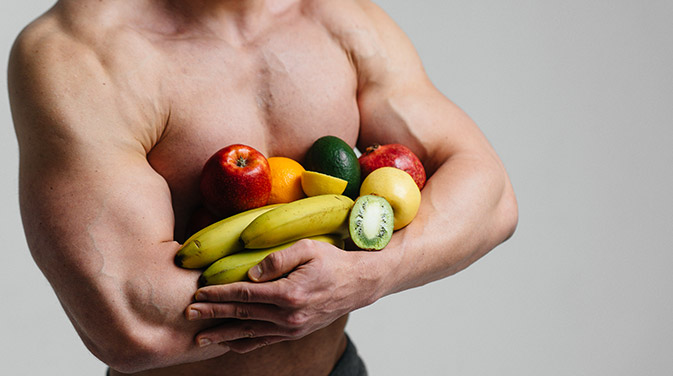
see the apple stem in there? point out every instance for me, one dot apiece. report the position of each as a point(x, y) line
point(372, 148)
point(241, 161)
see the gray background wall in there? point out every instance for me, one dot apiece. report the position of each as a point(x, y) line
point(576, 97)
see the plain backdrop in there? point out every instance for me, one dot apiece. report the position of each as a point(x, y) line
point(577, 98)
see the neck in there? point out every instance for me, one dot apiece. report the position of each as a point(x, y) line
point(235, 20)
point(240, 7)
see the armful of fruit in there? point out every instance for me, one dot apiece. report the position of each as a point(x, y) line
point(465, 210)
point(295, 245)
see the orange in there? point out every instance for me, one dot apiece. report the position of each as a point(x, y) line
point(285, 180)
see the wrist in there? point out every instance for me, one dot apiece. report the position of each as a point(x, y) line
point(376, 272)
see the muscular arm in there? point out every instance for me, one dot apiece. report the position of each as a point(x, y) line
point(468, 205)
point(97, 217)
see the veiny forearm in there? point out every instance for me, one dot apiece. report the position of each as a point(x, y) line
point(133, 319)
point(468, 208)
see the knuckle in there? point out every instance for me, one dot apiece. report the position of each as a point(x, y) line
point(264, 341)
point(296, 297)
point(244, 294)
point(210, 311)
point(241, 312)
point(305, 243)
point(247, 345)
point(248, 332)
point(296, 319)
point(308, 246)
point(274, 261)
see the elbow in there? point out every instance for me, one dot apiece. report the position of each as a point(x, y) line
point(508, 215)
point(130, 359)
point(130, 352)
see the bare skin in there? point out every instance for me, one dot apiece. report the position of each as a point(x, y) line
point(118, 104)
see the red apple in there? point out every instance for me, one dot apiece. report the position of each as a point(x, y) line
point(235, 179)
point(392, 155)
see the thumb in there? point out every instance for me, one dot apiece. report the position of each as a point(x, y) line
point(280, 263)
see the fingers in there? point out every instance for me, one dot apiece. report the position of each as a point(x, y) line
point(289, 261)
point(231, 331)
point(244, 336)
point(245, 292)
point(254, 325)
point(282, 262)
point(205, 311)
point(242, 346)
point(286, 318)
point(275, 291)
point(279, 309)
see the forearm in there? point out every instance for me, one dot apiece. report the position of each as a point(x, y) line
point(133, 319)
point(467, 209)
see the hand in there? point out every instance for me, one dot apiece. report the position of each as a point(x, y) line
point(323, 284)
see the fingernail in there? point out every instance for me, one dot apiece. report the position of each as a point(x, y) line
point(193, 314)
point(199, 296)
point(205, 342)
point(255, 272)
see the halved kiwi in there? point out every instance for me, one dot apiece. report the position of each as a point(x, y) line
point(371, 222)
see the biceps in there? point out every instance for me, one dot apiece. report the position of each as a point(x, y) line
point(80, 217)
point(102, 237)
point(399, 104)
point(420, 118)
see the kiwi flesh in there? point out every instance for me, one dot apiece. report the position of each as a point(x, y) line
point(371, 222)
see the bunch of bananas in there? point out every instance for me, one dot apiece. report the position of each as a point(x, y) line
point(230, 247)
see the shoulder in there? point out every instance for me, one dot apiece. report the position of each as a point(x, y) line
point(351, 19)
point(337, 9)
point(346, 20)
point(377, 46)
point(72, 33)
point(69, 71)
point(80, 39)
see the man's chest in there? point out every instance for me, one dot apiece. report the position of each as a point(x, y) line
point(278, 98)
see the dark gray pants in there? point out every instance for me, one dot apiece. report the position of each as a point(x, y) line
point(350, 363)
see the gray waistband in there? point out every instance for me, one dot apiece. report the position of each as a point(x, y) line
point(350, 363)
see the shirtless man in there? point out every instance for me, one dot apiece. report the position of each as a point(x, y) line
point(117, 105)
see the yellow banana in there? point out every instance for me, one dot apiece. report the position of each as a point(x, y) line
point(317, 215)
point(234, 268)
point(217, 240)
